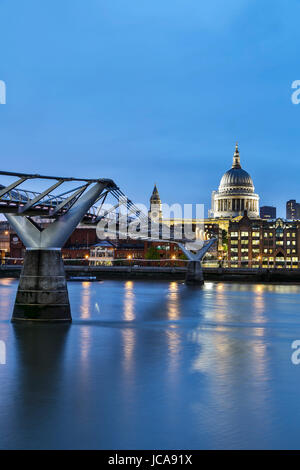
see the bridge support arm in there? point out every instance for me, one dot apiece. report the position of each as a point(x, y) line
point(194, 274)
point(57, 233)
point(27, 231)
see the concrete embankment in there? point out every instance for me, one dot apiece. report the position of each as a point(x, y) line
point(175, 273)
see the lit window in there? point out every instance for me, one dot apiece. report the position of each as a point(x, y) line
point(244, 234)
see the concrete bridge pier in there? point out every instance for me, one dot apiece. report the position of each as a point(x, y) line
point(194, 274)
point(42, 293)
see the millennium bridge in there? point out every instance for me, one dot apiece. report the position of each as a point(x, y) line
point(45, 219)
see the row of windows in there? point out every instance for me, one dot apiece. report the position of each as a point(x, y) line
point(244, 242)
point(256, 252)
point(244, 234)
point(266, 234)
point(294, 259)
point(257, 242)
point(244, 250)
point(270, 250)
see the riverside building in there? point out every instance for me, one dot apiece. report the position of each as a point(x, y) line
point(263, 243)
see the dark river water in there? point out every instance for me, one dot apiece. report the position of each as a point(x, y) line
point(154, 365)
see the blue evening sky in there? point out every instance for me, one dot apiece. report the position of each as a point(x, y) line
point(146, 91)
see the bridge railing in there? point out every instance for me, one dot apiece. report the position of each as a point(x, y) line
point(16, 198)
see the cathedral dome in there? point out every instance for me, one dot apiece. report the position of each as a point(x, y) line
point(235, 193)
point(236, 179)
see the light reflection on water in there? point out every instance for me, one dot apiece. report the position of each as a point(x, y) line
point(129, 301)
point(154, 365)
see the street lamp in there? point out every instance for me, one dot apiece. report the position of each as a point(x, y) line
point(129, 257)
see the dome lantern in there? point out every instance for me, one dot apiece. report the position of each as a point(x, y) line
point(236, 158)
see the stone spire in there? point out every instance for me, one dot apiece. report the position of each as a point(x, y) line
point(236, 158)
point(155, 198)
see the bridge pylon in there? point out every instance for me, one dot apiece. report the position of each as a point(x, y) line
point(42, 293)
point(194, 273)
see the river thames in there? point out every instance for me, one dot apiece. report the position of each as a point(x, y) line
point(154, 365)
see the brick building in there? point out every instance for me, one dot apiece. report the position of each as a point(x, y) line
point(4, 240)
point(76, 247)
point(263, 243)
point(79, 243)
point(143, 250)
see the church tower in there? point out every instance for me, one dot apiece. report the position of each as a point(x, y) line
point(155, 211)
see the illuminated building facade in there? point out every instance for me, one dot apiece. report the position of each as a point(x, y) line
point(263, 243)
point(292, 210)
